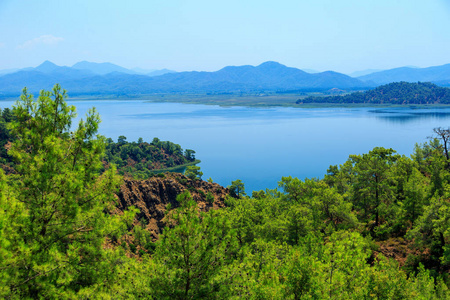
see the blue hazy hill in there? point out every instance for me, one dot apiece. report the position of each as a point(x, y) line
point(435, 74)
point(93, 78)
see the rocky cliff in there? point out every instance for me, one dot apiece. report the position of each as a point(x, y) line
point(152, 196)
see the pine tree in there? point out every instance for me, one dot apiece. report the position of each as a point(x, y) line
point(56, 243)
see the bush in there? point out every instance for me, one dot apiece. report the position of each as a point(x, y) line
point(193, 172)
point(210, 198)
point(182, 180)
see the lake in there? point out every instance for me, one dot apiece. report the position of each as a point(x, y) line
point(260, 145)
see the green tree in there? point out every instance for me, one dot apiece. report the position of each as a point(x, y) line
point(256, 272)
point(302, 271)
point(122, 139)
point(432, 229)
point(193, 172)
point(210, 198)
point(373, 187)
point(237, 188)
point(444, 136)
point(314, 206)
point(431, 161)
point(56, 244)
point(191, 254)
point(416, 195)
point(244, 216)
point(189, 154)
point(341, 178)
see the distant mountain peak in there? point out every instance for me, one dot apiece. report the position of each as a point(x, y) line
point(46, 66)
point(47, 62)
point(271, 64)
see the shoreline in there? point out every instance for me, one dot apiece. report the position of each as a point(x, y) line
point(174, 169)
point(256, 101)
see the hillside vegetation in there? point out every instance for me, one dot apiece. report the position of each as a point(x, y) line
point(141, 159)
point(393, 93)
point(376, 227)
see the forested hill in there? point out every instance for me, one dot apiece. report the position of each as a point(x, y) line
point(393, 93)
point(141, 159)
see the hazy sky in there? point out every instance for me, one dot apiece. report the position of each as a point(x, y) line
point(206, 35)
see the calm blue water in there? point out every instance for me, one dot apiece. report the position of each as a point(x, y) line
point(260, 145)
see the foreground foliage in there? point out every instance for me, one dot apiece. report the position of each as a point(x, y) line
point(54, 219)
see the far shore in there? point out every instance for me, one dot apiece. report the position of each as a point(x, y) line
point(246, 100)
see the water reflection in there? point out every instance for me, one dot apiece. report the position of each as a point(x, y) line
point(402, 116)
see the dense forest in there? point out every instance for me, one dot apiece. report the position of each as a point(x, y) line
point(392, 93)
point(375, 227)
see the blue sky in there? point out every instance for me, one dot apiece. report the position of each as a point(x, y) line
point(339, 35)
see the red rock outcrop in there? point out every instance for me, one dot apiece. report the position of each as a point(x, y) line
point(152, 196)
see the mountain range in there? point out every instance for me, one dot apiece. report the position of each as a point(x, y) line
point(87, 78)
point(438, 74)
